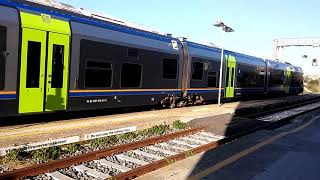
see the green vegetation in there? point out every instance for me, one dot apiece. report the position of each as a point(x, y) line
point(179, 125)
point(46, 154)
point(12, 155)
point(72, 148)
point(103, 142)
point(128, 136)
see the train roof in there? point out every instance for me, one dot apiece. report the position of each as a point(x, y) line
point(244, 58)
point(83, 18)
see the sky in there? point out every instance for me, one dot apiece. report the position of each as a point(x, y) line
point(256, 22)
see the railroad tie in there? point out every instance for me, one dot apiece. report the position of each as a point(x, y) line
point(59, 176)
point(204, 138)
point(91, 172)
point(174, 147)
point(195, 140)
point(218, 137)
point(142, 153)
point(107, 163)
point(153, 148)
point(184, 143)
point(128, 158)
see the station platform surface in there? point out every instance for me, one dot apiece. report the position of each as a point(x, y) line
point(288, 152)
point(31, 133)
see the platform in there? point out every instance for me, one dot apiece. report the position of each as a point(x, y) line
point(32, 133)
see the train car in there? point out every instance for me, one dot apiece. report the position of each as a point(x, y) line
point(121, 68)
point(201, 72)
point(250, 75)
point(9, 55)
point(296, 80)
point(46, 67)
point(243, 75)
point(278, 77)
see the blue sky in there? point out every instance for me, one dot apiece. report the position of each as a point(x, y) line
point(256, 22)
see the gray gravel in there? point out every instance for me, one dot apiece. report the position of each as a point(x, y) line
point(71, 172)
point(128, 164)
point(40, 177)
point(3, 169)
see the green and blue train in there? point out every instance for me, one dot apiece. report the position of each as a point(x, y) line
point(57, 60)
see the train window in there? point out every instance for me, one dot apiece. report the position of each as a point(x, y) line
point(33, 64)
point(197, 72)
point(131, 75)
point(169, 68)
point(3, 38)
point(57, 66)
point(133, 52)
point(98, 74)
point(232, 76)
point(3, 44)
point(227, 77)
point(212, 79)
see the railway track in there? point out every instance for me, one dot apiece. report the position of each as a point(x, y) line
point(134, 159)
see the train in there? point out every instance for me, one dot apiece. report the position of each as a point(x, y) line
point(54, 59)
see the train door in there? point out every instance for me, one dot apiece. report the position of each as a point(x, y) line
point(44, 64)
point(287, 79)
point(230, 76)
point(57, 72)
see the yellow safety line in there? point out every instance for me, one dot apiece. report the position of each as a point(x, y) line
point(248, 151)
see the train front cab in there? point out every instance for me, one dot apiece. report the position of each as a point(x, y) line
point(44, 63)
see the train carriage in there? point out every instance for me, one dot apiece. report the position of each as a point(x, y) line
point(115, 68)
point(250, 75)
point(277, 78)
point(296, 80)
point(203, 71)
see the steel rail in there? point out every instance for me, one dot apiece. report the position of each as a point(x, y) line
point(67, 162)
